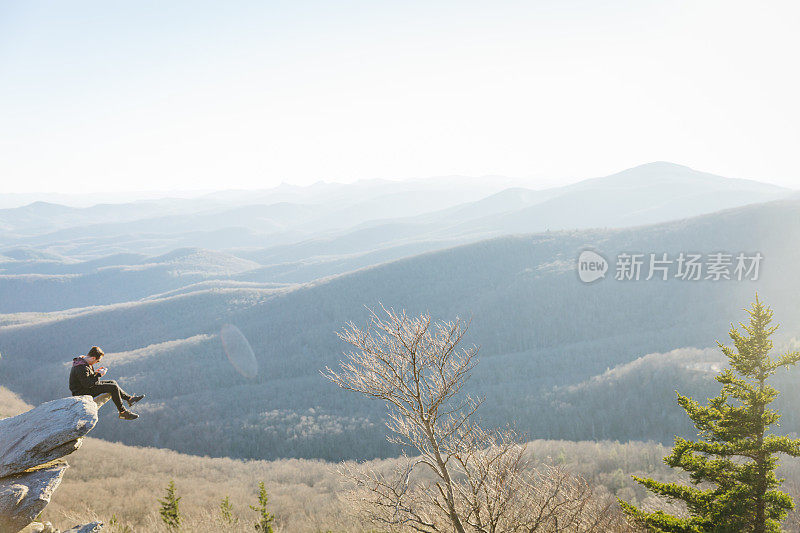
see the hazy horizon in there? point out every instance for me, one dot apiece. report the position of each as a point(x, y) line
point(88, 198)
point(119, 97)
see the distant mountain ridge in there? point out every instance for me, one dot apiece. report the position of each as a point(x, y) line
point(443, 207)
point(350, 226)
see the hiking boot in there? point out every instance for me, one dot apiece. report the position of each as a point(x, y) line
point(133, 399)
point(127, 415)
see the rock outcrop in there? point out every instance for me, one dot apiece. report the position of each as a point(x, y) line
point(45, 433)
point(31, 446)
point(24, 496)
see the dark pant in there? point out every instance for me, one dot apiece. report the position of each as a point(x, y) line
point(110, 386)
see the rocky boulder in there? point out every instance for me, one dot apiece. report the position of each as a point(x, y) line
point(23, 496)
point(31, 446)
point(45, 433)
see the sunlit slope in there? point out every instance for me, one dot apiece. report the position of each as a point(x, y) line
point(538, 326)
point(637, 399)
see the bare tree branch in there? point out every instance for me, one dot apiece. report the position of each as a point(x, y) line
point(463, 478)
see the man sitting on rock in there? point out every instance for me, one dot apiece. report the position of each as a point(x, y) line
point(84, 379)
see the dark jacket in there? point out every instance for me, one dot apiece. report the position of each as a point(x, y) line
point(82, 377)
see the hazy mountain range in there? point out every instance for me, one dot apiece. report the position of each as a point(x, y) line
point(506, 260)
point(110, 253)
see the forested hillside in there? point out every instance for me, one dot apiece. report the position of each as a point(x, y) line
point(538, 326)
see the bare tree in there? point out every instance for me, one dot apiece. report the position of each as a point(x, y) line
point(416, 367)
point(472, 480)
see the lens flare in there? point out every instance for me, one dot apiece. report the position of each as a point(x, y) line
point(238, 350)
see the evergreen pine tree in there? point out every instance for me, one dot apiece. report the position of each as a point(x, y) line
point(264, 524)
point(170, 513)
point(226, 510)
point(732, 465)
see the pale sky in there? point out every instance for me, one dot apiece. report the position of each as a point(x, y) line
point(144, 95)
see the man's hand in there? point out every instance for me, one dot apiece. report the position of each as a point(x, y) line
point(102, 371)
